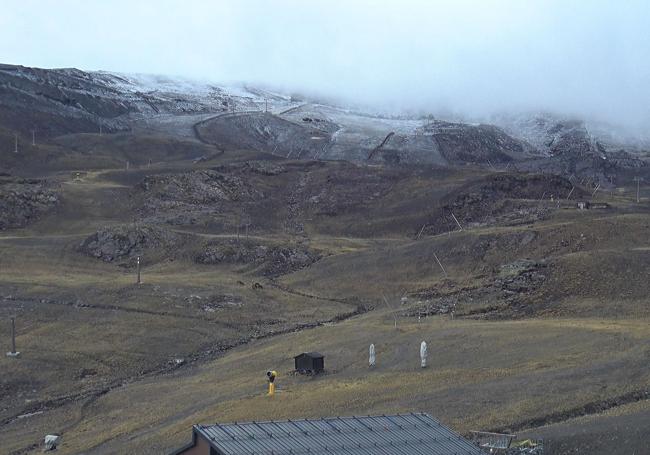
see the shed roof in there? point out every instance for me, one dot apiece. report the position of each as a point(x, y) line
point(314, 355)
point(404, 434)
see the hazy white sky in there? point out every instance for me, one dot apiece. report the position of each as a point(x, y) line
point(588, 57)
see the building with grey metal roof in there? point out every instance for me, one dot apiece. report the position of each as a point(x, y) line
point(403, 434)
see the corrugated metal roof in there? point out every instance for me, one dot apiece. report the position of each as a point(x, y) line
point(403, 434)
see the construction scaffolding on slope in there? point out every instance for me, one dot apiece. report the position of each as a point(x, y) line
point(496, 442)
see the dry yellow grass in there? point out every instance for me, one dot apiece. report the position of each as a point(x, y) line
point(481, 375)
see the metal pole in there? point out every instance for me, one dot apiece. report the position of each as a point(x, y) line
point(33, 137)
point(456, 220)
point(570, 192)
point(440, 264)
point(138, 267)
point(13, 335)
point(597, 186)
point(420, 232)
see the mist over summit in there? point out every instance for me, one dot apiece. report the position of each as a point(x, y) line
point(584, 59)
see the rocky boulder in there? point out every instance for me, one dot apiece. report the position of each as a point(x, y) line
point(272, 260)
point(24, 200)
point(198, 187)
point(126, 241)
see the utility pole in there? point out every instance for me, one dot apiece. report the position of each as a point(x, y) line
point(138, 268)
point(440, 264)
point(392, 311)
point(570, 192)
point(598, 186)
point(456, 220)
point(421, 231)
point(13, 352)
point(13, 335)
point(266, 105)
point(638, 184)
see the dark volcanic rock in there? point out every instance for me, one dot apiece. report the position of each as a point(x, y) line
point(273, 260)
point(625, 160)
point(502, 198)
point(118, 242)
point(521, 186)
point(511, 291)
point(22, 201)
point(198, 187)
point(463, 143)
point(57, 101)
point(575, 149)
point(570, 138)
point(268, 168)
point(188, 198)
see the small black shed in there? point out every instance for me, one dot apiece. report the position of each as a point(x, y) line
point(310, 362)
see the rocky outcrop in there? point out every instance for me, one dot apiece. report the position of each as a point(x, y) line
point(188, 198)
point(463, 143)
point(575, 147)
point(24, 200)
point(625, 160)
point(510, 292)
point(57, 101)
point(272, 260)
point(199, 187)
point(267, 168)
point(502, 199)
point(520, 186)
point(127, 241)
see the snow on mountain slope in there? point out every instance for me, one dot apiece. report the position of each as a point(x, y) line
point(63, 101)
point(67, 101)
point(550, 133)
point(186, 95)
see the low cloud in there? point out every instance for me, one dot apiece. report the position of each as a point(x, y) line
point(472, 58)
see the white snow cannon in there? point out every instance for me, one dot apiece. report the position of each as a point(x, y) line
point(423, 354)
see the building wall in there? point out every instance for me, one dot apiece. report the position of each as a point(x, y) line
point(201, 448)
